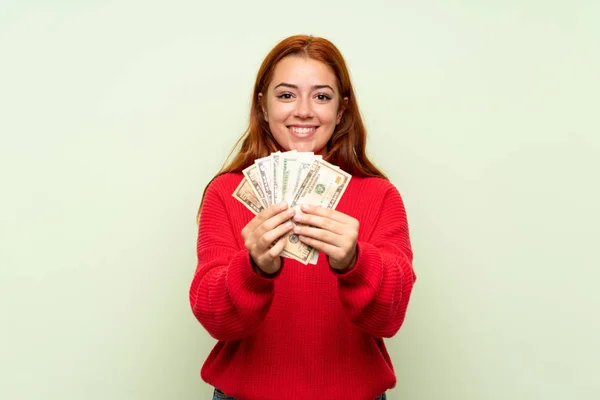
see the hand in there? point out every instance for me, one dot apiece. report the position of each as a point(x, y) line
point(262, 231)
point(331, 232)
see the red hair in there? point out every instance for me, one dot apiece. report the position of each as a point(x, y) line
point(347, 146)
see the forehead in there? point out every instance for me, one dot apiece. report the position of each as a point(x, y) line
point(303, 71)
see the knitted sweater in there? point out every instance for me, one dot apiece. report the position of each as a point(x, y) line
point(309, 333)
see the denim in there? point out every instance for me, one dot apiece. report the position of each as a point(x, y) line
point(218, 395)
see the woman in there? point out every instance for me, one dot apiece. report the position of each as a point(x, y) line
point(284, 329)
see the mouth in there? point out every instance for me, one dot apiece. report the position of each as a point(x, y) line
point(302, 131)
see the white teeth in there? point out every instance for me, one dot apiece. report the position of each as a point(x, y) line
point(303, 130)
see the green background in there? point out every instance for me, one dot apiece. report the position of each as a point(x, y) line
point(115, 114)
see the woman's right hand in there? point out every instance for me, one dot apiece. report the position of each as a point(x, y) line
point(269, 226)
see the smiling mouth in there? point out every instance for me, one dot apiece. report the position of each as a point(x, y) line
point(303, 131)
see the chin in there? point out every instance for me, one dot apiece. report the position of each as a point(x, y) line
point(304, 147)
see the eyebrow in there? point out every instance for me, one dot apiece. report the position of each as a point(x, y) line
point(296, 86)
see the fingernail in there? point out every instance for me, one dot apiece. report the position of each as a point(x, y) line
point(298, 217)
point(283, 205)
point(288, 224)
point(305, 207)
point(297, 229)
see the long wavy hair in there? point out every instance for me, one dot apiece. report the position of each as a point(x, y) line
point(347, 146)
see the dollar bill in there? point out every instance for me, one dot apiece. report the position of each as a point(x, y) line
point(289, 169)
point(297, 175)
point(251, 174)
point(315, 257)
point(323, 186)
point(245, 195)
point(265, 174)
point(276, 177)
point(297, 178)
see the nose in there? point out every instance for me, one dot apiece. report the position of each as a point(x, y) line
point(304, 108)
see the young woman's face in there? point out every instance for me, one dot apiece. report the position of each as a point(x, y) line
point(302, 104)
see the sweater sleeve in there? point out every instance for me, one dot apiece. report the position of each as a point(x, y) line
point(227, 297)
point(376, 292)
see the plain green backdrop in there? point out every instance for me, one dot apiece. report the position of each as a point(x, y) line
point(115, 114)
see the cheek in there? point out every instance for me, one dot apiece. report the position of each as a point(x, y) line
point(328, 115)
point(279, 112)
point(278, 117)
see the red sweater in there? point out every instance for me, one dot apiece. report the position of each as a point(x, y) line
point(308, 333)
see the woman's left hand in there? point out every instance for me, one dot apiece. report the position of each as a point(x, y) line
point(331, 232)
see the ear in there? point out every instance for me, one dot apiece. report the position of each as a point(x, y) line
point(343, 106)
point(262, 106)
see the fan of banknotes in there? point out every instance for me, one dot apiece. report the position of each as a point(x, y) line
point(297, 178)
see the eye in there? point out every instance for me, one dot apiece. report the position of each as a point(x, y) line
point(323, 97)
point(284, 96)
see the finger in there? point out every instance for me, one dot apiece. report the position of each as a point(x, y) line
point(326, 212)
point(276, 250)
point(321, 235)
point(277, 219)
point(331, 250)
point(271, 236)
point(265, 214)
point(329, 213)
point(325, 223)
